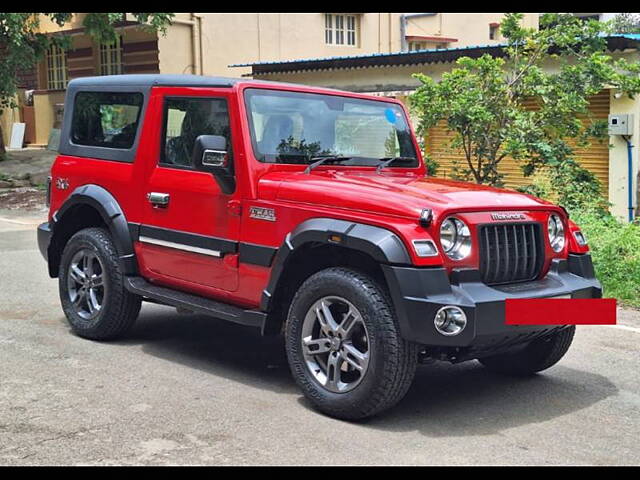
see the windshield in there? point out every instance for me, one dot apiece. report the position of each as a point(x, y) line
point(295, 127)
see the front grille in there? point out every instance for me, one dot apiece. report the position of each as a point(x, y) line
point(510, 253)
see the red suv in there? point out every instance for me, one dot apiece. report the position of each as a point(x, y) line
point(305, 212)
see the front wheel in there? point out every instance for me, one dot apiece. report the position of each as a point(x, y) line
point(535, 357)
point(92, 292)
point(343, 345)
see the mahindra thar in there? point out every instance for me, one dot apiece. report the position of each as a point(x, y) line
point(305, 212)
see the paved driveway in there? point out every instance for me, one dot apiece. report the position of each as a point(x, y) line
point(186, 389)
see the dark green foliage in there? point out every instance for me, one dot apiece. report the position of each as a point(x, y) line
point(483, 99)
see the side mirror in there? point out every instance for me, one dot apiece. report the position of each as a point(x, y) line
point(210, 155)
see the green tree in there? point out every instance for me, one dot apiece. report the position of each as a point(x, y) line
point(626, 23)
point(22, 45)
point(483, 100)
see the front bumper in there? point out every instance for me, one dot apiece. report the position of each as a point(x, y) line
point(418, 293)
point(44, 239)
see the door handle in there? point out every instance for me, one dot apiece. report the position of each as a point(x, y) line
point(158, 199)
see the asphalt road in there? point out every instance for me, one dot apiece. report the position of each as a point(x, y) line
point(186, 389)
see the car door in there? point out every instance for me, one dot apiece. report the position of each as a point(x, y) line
point(187, 236)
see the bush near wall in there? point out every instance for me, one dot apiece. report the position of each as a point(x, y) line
point(615, 249)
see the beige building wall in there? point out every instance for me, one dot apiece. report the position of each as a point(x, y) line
point(44, 104)
point(467, 28)
point(236, 38)
point(230, 38)
point(176, 49)
point(47, 25)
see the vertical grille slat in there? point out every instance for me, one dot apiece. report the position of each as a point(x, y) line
point(533, 255)
point(506, 249)
point(497, 272)
point(487, 256)
point(515, 244)
point(510, 252)
point(525, 252)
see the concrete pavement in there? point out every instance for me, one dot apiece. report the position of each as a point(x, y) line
point(187, 389)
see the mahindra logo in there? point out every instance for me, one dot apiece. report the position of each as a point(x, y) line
point(507, 216)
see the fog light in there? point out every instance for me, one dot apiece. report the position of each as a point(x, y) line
point(450, 320)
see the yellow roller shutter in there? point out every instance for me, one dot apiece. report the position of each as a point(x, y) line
point(595, 158)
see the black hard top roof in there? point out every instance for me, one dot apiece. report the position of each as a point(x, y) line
point(159, 79)
point(146, 81)
point(152, 80)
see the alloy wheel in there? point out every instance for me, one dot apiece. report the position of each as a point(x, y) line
point(335, 344)
point(85, 282)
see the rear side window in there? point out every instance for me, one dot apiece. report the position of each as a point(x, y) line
point(188, 118)
point(103, 119)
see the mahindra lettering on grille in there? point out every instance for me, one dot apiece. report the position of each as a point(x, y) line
point(507, 216)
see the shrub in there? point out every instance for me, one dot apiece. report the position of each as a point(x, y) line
point(614, 245)
point(615, 249)
point(570, 185)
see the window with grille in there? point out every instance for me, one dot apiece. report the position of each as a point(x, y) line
point(340, 29)
point(493, 32)
point(56, 68)
point(111, 58)
point(413, 46)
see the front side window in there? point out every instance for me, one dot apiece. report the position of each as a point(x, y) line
point(111, 58)
point(56, 68)
point(105, 119)
point(185, 120)
point(340, 29)
point(296, 127)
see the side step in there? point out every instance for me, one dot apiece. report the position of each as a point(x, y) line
point(205, 306)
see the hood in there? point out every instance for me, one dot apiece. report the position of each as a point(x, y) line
point(396, 194)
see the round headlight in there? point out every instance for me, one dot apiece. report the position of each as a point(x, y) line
point(448, 234)
point(556, 232)
point(455, 238)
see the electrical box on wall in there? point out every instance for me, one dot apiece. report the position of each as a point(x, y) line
point(621, 124)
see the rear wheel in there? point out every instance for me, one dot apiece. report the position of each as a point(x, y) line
point(535, 357)
point(343, 345)
point(91, 285)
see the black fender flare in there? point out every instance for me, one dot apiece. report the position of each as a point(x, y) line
point(381, 244)
point(113, 216)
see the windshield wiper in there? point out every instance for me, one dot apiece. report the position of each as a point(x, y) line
point(386, 161)
point(317, 161)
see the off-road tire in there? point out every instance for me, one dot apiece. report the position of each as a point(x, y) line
point(392, 361)
point(535, 357)
point(120, 307)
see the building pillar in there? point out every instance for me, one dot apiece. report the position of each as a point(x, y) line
point(618, 158)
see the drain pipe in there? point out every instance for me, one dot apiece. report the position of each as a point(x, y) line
point(629, 177)
point(403, 27)
point(195, 45)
